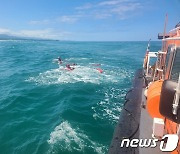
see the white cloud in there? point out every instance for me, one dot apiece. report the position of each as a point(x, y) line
point(62, 19)
point(110, 8)
point(84, 7)
point(39, 33)
point(112, 2)
point(119, 9)
point(102, 15)
point(39, 22)
point(4, 31)
point(45, 33)
point(124, 8)
point(68, 19)
point(124, 11)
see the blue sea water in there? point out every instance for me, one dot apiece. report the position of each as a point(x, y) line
point(47, 109)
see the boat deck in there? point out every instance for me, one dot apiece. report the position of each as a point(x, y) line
point(134, 121)
point(145, 129)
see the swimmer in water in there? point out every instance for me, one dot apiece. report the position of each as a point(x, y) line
point(69, 67)
point(59, 60)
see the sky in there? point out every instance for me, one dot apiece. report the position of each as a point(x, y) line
point(88, 20)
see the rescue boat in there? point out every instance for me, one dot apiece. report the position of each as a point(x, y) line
point(151, 112)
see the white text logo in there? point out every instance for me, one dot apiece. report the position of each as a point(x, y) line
point(168, 143)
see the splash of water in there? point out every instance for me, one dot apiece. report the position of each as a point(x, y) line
point(66, 138)
point(79, 74)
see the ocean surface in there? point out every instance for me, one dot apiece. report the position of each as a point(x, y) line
point(46, 109)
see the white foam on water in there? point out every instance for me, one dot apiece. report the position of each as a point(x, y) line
point(10, 40)
point(66, 138)
point(76, 59)
point(65, 133)
point(55, 61)
point(85, 74)
point(109, 108)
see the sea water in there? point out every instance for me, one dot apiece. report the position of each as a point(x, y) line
point(45, 108)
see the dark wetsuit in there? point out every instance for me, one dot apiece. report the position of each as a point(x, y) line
point(59, 60)
point(69, 67)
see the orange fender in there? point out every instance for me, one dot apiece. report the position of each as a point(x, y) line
point(153, 99)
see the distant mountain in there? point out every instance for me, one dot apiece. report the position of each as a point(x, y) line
point(11, 37)
point(8, 37)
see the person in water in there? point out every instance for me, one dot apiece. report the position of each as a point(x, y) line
point(59, 60)
point(69, 67)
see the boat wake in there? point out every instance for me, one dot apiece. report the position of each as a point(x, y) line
point(67, 139)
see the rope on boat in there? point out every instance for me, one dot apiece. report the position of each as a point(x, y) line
point(127, 94)
point(130, 113)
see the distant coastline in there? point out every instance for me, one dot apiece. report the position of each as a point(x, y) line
point(11, 37)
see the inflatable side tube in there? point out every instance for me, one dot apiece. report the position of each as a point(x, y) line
point(128, 124)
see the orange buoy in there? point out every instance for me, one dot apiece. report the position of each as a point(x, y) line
point(153, 99)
